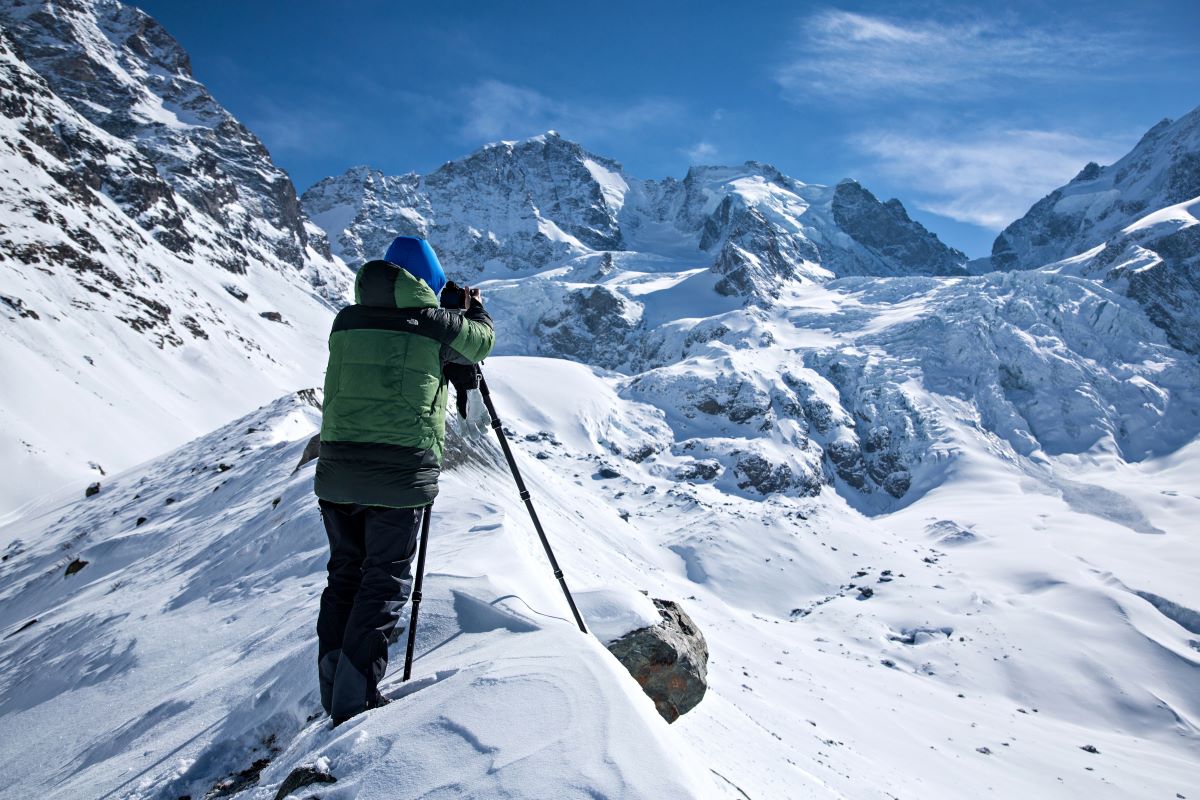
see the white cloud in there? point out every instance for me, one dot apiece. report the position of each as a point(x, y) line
point(987, 177)
point(852, 56)
point(303, 130)
point(701, 152)
point(495, 109)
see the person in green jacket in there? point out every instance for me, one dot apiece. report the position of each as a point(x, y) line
point(382, 437)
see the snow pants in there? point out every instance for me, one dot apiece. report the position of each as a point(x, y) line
point(371, 551)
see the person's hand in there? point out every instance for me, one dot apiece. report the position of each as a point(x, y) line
point(474, 297)
point(477, 419)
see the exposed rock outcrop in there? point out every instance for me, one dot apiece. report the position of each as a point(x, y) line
point(669, 660)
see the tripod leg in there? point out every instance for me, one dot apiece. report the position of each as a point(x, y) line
point(524, 494)
point(416, 595)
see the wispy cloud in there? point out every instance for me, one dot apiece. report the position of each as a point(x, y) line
point(988, 177)
point(841, 54)
point(495, 109)
point(701, 152)
point(303, 131)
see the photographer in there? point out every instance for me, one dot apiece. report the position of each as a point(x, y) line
point(382, 437)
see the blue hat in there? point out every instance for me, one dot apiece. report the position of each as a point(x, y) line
point(418, 259)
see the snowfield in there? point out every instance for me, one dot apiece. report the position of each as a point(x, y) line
point(187, 641)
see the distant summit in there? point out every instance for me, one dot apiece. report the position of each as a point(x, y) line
point(515, 207)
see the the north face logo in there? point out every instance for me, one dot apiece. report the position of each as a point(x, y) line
point(412, 321)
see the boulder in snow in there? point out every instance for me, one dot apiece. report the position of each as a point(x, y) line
point(303, 776)
point(669, 660)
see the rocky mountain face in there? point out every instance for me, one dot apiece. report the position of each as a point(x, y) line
point(1132, 225)
point(1162, 170)
point(511, 207)
point(514, 208)
point(1156, 261)
point(159, 273)
point(115, 66)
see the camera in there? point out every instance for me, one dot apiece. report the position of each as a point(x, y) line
point(454, 296)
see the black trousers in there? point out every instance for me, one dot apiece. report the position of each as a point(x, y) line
point(371, 551)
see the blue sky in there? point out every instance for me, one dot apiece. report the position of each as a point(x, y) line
point(966, 112)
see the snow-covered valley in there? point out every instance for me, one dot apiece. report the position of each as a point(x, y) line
point(937, 528)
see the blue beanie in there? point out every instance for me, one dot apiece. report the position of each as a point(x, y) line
point(418, 259)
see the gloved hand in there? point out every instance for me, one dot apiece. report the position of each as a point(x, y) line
point(463, 378)
point(477, 419)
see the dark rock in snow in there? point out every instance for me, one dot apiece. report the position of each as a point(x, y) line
point(311, 451)
point(758, 473)
point(18, 305)
point(669, 660)
point(26, 626)
point(704, 470)
point(607, 472)
point(237, 292)
point(273, 316)
point(75, 566)
point(1090, 748)
point(595, 325)
point(301, 777)
point(91, 490)
point(238, 782)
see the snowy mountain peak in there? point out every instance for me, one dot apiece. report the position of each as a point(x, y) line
point(1163, 169)
point(1131, 225)
point(119, 69)
point(515, 207)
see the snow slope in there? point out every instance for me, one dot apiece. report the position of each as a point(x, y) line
point(188, 638)
point(199, 628)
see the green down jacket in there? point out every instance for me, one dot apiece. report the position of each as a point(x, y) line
point(384, 424)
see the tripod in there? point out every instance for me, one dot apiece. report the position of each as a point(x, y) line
point(537, 525)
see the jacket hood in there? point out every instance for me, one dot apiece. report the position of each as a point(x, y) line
point(417, 257)
point(385, 285)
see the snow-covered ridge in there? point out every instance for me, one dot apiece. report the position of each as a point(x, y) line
point(1162, 170)
point(158, 272)
point(197, 582)
point(513, 208)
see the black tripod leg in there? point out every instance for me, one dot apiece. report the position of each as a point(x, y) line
point(516, 473)
point(416, 595)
